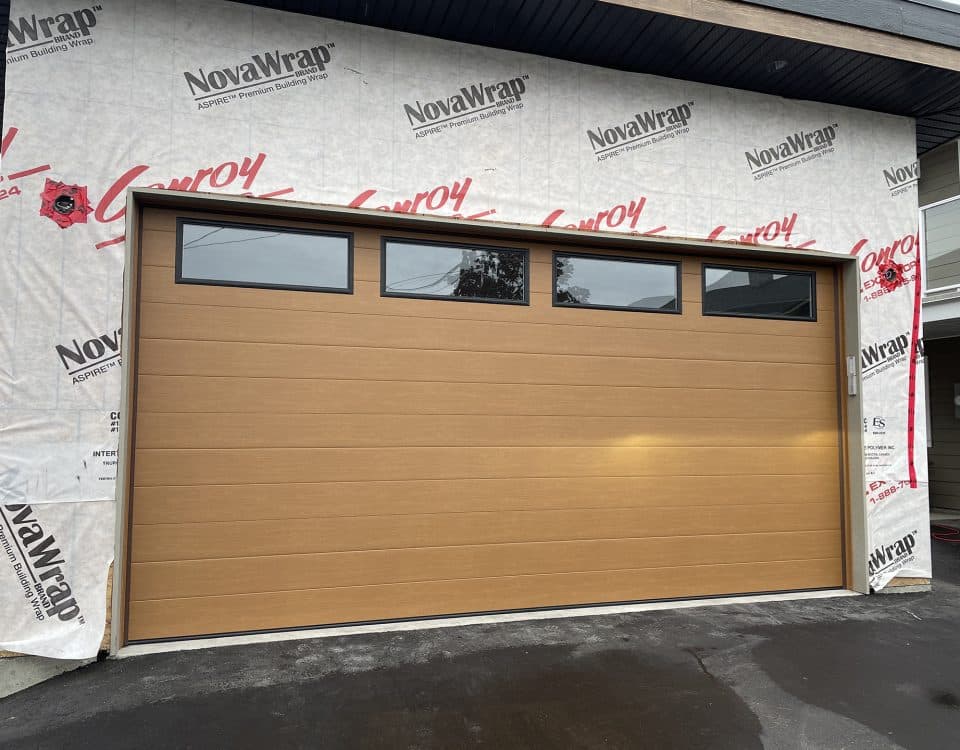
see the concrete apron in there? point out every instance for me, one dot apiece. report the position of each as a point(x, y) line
point(20, 671)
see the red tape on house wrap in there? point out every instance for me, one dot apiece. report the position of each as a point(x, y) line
point(912, 399)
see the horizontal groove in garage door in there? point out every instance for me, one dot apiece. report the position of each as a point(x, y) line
point(566, 355)
point(219, 466)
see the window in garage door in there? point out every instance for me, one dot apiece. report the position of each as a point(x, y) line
point(263, 257)
point(759, 293)
point(465, 273)
point(308, 459)
point(609, 283)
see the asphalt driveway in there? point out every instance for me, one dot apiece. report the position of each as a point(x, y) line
point(865, 672)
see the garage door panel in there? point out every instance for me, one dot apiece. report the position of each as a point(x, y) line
point(402, 311)
point(161, 393)
point(158, 219)
point(233, 502)
point(265, 611)
point(198, 323)
point(216, 577)
point(158, 249)
point(179, 541)
point(159, 285)
point(255, 360)
point(306, 459)
point(240, 466)
point(238, 430)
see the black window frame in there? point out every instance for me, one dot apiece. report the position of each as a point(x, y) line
point(181, 279)
point(678, 266)
point(384, 239)
point(812, 275)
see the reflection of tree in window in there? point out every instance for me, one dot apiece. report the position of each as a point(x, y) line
point(566, 292)
point(490, 274)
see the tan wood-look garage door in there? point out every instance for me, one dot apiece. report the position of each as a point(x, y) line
point(307, 458)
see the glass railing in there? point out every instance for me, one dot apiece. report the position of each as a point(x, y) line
point(941, 238)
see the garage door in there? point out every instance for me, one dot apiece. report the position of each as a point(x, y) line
point(343, 424)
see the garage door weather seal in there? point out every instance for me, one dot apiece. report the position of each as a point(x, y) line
point(193, 644)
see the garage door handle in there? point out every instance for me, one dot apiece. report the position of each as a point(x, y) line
point(851, 376)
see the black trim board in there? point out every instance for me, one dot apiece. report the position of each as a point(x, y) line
point(842, 422)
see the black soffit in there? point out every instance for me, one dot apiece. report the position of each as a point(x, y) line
point(613, 36)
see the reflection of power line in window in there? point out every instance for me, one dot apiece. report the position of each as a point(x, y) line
point(440, 277)
point(231, 242)
point(203, 237)
point(479, 273)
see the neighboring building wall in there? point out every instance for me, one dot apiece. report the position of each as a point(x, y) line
point(944, 455)
point(939, 174)
point(939, 180)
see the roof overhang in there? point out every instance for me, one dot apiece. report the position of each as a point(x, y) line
point(736, 44)
point(876, 55)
